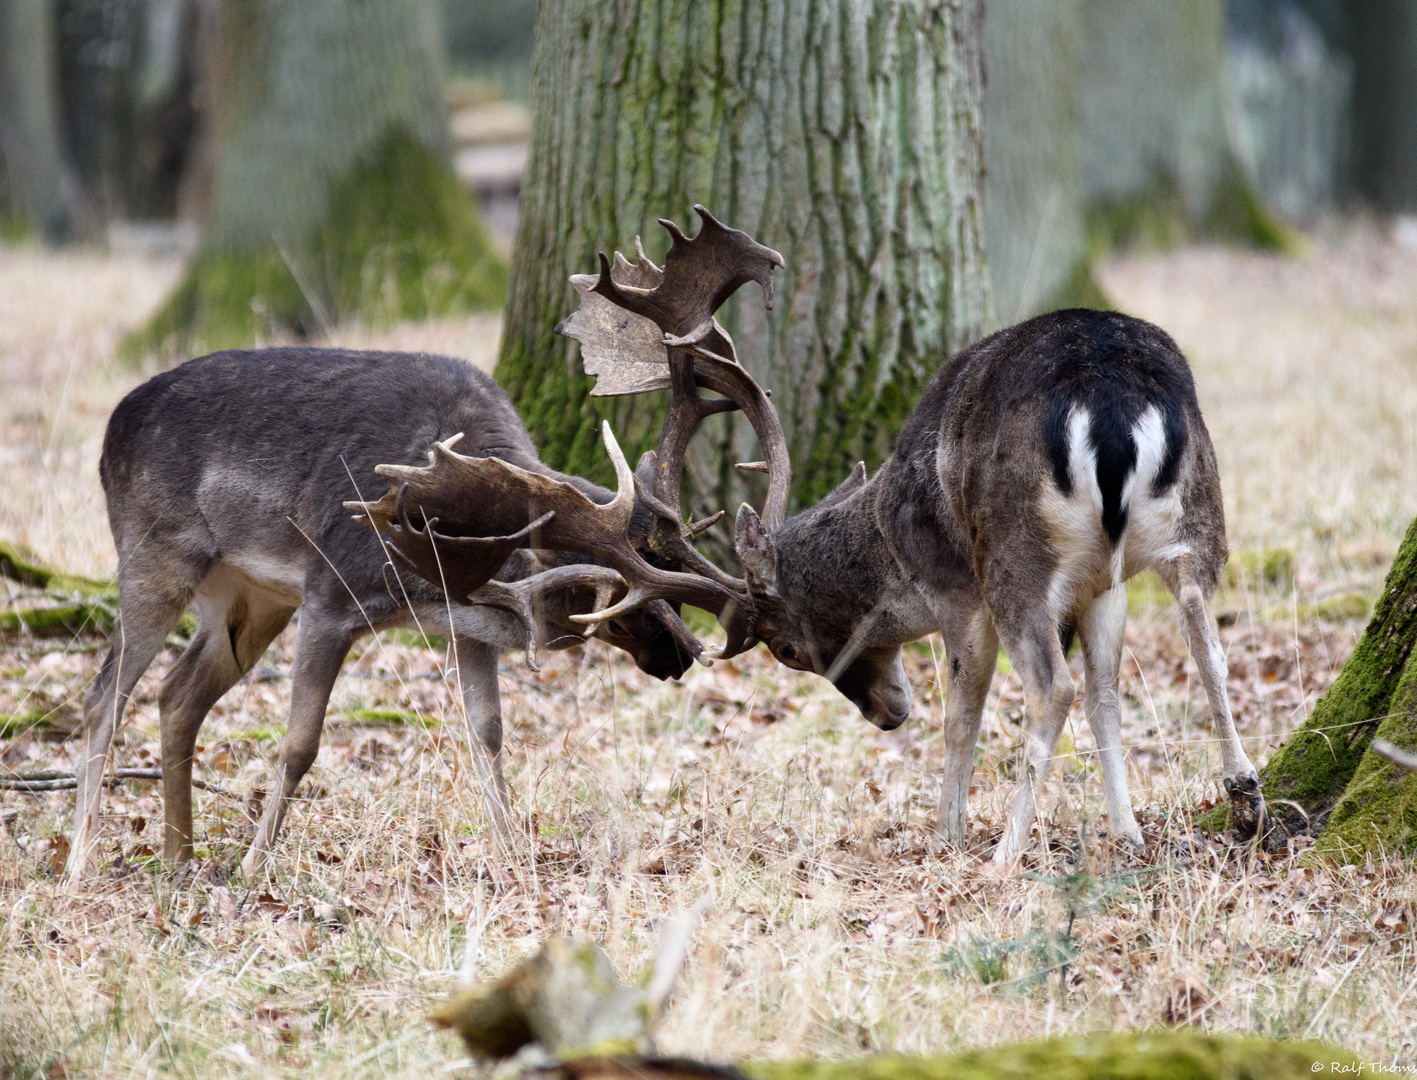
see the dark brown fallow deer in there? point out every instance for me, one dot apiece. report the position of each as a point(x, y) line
point(225, 480)
point(1042, 468)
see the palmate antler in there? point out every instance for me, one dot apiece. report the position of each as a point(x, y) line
point(641, 328)
point(621, 310)
point(473, 497)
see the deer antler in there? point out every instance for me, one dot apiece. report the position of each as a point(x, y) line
point(615, 324)
point(460, 565)
point(487, 495)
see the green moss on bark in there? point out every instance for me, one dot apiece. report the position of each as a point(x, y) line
point(1323, 756)
point(1377, 814)
point(400, 239)
point(1147, 1055)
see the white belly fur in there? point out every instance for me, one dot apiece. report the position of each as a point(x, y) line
point(1087, 565)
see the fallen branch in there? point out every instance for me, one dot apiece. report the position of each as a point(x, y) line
point(35, 782)
point(1403, 758)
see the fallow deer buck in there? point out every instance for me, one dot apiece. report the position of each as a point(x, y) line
point(1043, 467)
point(225, 480)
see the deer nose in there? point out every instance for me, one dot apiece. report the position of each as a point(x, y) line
point(883, 714)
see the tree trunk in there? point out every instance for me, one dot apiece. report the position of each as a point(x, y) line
point(1156, 159)
point(844, 134)
point(331, 196)
point(30, 148)
point(1105, 126)
point(1384, 40)
point(1032, 190)
point(1327, 764)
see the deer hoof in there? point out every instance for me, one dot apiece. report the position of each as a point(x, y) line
point(1252, 818)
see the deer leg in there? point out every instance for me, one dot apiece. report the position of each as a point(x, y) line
point(145, 618)
point(477, 669)
point(234, 630)
point(1241, 781)
point(972, 651)
point(1101, 634)
point(320, 648)
point(1048, 693)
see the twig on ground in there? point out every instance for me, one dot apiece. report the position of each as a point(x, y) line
point(1404, 758)
point(36, 782)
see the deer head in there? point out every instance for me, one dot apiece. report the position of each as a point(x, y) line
point(805, 617)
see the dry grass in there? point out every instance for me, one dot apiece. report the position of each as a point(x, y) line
point(834, 927)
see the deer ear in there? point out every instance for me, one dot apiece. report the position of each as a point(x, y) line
point(755, 550)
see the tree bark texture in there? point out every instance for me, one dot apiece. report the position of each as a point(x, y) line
point(30, 145)
point(1384, 154)
point(1327, 764)
point(844, 134)
point(331, 195)
point(1032, 190)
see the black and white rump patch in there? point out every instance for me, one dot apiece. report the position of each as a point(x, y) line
point(1115, 412)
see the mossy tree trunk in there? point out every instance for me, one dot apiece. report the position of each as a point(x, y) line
point(844, 134)
point(39, 190)
point(1328, 767)
point(1032, 191)
point(332, 196)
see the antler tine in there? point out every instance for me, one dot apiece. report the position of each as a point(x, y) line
point(521, 597)
point(724, 375)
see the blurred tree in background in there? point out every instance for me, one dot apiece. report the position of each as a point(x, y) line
point(1383, 34)
point(1033, 195)
point(331, 196)
point(37, 188)
point(1106, 126)
point(491, 41)
point(845, 135)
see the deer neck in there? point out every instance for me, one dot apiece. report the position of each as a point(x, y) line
point(839, 566)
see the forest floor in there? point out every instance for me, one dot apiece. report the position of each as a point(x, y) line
point(834, 926)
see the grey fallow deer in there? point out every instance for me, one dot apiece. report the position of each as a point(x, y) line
point(229, 480)
point(1043, 467)
point(225, 479)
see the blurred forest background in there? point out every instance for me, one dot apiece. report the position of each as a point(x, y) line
point(183, 175)
point(928, 174)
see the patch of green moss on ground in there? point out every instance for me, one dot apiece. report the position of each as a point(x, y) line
point(18, 723)
point(388, 717)
point(1147, 592)
point(1273, 567)
point(1147, 1055)
point(59, 620)
point(401, 240)
point(413, 639)
point(1337, 609)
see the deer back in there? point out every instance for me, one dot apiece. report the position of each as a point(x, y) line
point(247, 456)
point(1068, 447)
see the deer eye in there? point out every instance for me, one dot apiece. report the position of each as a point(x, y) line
point(617, 627)
point(787, 652)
